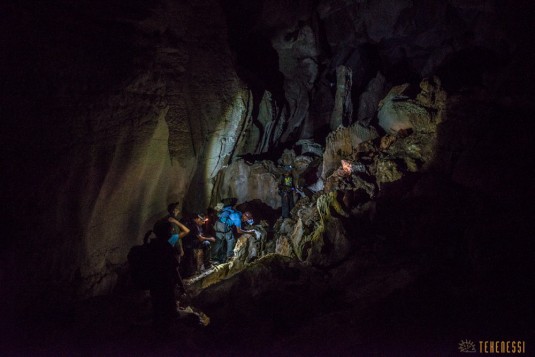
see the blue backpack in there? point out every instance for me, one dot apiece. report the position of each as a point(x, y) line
point(224, 216)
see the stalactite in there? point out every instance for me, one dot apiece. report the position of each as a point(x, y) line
point(244, 127)
point(263, 140)
point(343, 109)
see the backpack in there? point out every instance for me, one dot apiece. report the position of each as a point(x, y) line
point(141, 266)
point(224, 216)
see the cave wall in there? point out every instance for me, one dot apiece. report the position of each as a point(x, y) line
point(113, 109)
point(383, 44)
point(477, 49)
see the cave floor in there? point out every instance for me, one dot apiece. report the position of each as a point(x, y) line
point(421, 320)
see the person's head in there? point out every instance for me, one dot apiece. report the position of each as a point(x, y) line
point(200, 219)
point(173, 209)
point(163, 229)
point(247, 217)
point(229, 202)
point(346, 166)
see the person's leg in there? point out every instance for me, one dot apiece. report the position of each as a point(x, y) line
point(164, 306)
point(284, 203)
point(231, 242)
point(290, 202)
point(219, 253)
point(206, 248)
point(188, 262)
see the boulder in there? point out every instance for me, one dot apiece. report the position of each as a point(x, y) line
point(394, 110)
point(369, 100)
point(398, 112)
point(250, 247)
point(249, 182)
point(307, 146)
point(342, 143)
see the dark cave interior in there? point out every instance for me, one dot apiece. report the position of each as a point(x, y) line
point(112, 109)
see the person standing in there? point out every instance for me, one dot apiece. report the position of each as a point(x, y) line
point(179, 229)
point(286, 190)
point(164, 277)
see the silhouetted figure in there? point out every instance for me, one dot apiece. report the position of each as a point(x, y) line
point(165, 277)
point(286, 190)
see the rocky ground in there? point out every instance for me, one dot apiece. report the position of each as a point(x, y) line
point(377, 301)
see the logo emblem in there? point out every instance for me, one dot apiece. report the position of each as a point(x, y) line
point(467, 346)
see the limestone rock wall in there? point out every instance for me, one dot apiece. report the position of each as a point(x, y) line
point(342, 142)
point(298, 63)
point(382, 44)
point(115, 109)
point(115, 112)
point(358, 166)
point(249, 182)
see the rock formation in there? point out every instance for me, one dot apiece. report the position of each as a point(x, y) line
point(406, 124)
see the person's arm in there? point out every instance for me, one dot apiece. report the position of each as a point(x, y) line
point(236, 222)
point(241, 231)
point(184, 230)
point(201, 237)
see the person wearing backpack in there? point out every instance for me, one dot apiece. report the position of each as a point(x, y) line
point(228, 218)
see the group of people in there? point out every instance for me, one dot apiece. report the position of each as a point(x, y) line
point(213, 234)
point(175, 245)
